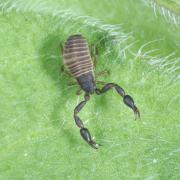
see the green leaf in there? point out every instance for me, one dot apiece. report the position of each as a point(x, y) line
point(38, 135)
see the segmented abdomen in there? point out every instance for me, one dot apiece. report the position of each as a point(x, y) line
point(77, 56)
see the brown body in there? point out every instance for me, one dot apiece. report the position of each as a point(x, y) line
point(77, 58)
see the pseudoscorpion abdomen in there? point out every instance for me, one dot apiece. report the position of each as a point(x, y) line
point(77, 56)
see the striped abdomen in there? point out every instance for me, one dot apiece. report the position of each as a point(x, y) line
point(77, 56)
